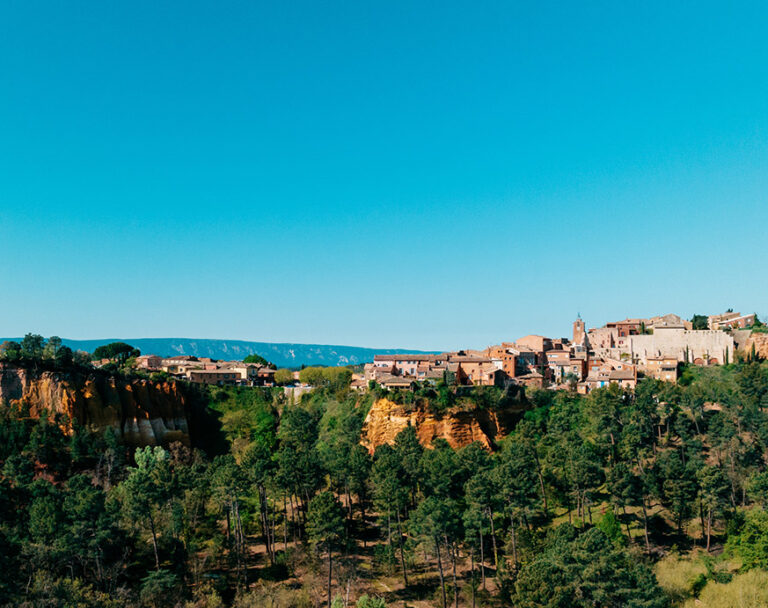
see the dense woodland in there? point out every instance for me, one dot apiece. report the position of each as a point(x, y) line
point(645, 499)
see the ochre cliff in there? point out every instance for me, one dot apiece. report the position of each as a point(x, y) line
point(142, 412)
point(760, 344)
point(459, 428)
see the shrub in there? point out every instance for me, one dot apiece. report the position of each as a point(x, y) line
point(751, 543)
point(366, 601)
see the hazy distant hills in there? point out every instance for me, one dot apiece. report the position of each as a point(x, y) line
point(282, 355)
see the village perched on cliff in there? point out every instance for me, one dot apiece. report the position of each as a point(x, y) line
point(486, 425)
point(640, 437)
point(620, 352)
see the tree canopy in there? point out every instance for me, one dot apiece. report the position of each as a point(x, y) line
point(119, 351)
point(257, 359)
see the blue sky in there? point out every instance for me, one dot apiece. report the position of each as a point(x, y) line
point(419, 175)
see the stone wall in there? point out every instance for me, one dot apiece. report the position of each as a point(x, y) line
point(699, 344)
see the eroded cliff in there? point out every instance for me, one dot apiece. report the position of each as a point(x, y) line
point(458, 427)
point(142, 412)
point(758, 342)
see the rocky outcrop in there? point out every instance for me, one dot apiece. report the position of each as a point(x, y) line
point(142, 412)
point(459, 428)
point(760, 343)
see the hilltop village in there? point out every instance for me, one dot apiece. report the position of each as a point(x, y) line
point(204, 370)
point(620, 352)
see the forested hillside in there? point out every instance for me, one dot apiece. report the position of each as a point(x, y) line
point(645, 499)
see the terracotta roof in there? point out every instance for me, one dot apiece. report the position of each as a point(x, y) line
point(406, 357)
point(469, 359)
point(621, 374)
point(398, 380)
point(525, 349)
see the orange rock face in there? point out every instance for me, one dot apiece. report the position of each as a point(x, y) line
point(459, 428)
point(142, 412)
point(760, 342)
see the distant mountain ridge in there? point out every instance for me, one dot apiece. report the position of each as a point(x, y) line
point(281, 354)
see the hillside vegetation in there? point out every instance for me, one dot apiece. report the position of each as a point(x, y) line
point(647, 498)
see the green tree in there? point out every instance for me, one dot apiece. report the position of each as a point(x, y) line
point(611, 527)
point(678, 486)
point(91, 541)
point(625, 488)
point(409, 451)
point(337, 378)
point(758, 488)
point(10, 351)
point(297, 458)
point(751, 542)
point(47, 443)
point(259, 467)
point(325, 527)
point(339, 436)
point(483, 499)
point(257, 359)
point(366, 601)
point(144, 491)
point(700, 322)
point(333, 378)
point(440, 470)
point(517, 481)
point(604, 408)
point(360, 464)
point(116, 350)
point(45, 516)
point(63, 357)
point(714, 495)
point(159, 589)
point(313, 376)
point(283, 376)
point(229, 484)
point(436, 522)
point(585, 570)
point(390, 496)
point(52, 347)
point(32, 346)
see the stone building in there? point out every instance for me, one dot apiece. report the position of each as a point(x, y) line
point(730, 320)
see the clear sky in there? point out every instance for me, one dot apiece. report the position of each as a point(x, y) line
point(384, 174)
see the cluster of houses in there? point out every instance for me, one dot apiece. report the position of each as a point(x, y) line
point(731, 320)
point(204, 370)
point(617, 353)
